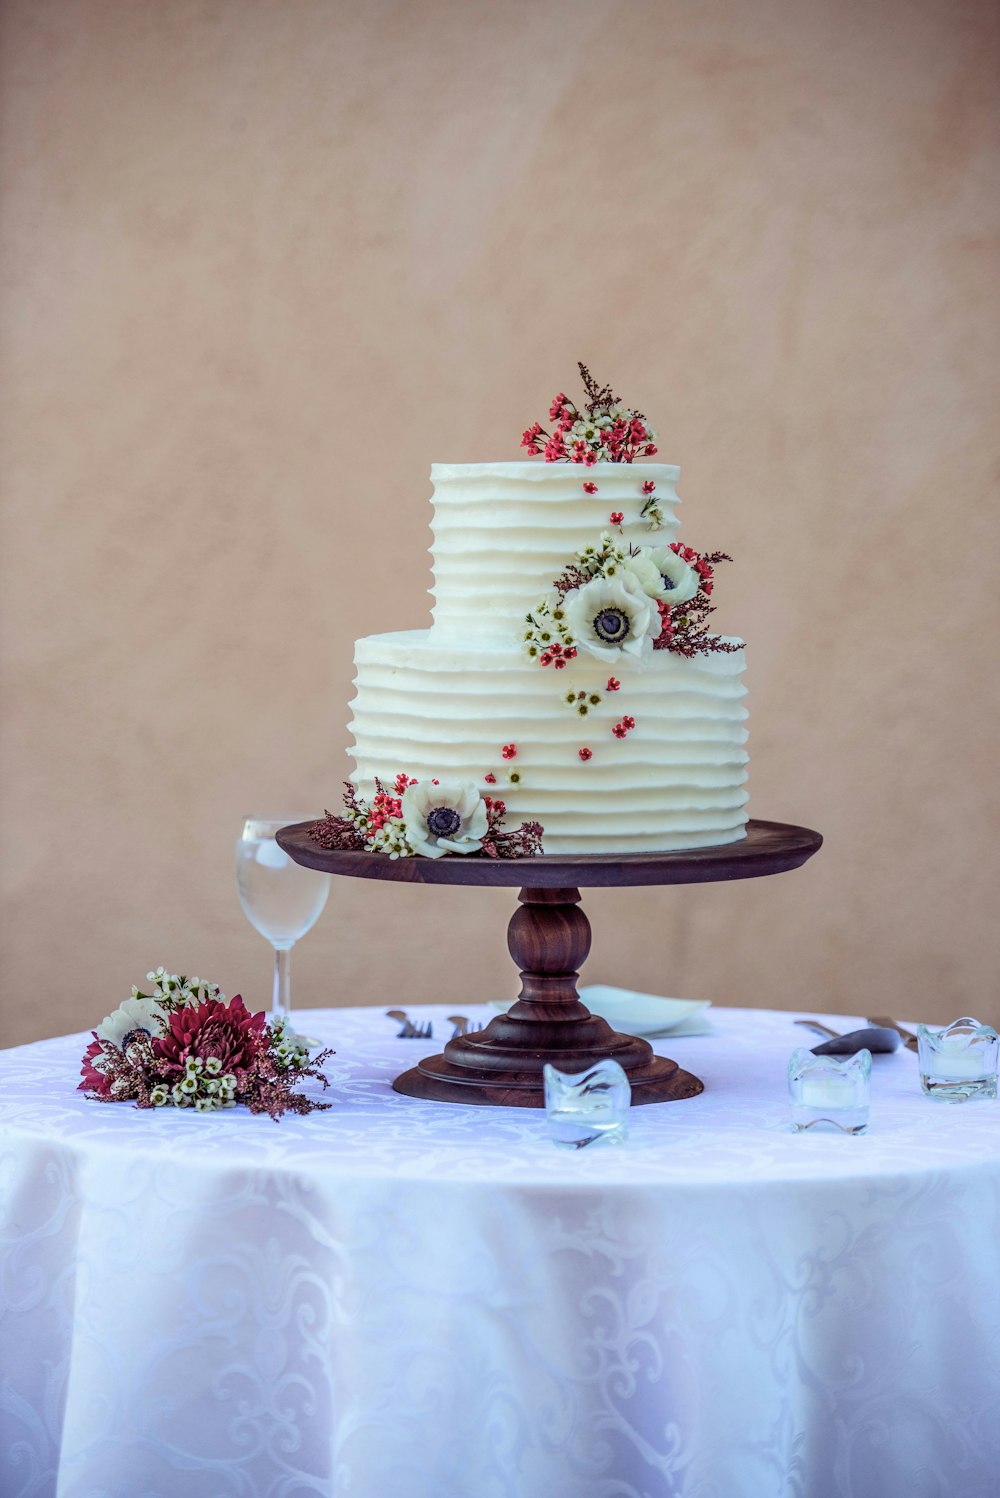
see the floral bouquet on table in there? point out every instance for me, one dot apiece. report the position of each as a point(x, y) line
point(183, 1046)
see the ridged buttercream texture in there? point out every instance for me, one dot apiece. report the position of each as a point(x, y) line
point(443, 702)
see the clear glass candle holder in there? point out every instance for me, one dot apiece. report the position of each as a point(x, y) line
point(958, 1063)
point(829, 1094)
point(588, 1107)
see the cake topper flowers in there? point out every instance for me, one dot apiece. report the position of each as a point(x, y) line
point(183, 1046)
point(605, 430)
point(427, 819)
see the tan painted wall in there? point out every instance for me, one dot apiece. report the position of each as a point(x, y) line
point(265, 260)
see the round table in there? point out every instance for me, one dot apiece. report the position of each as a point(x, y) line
point(404, 1297)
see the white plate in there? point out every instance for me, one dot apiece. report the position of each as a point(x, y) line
point(641, 1014)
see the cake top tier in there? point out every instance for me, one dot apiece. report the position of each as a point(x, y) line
point(503, 531)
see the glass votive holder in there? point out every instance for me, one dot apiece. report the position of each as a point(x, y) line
point(588, 1107)
point(958, 1063)
point(829, 1093)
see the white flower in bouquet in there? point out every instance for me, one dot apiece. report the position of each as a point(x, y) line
point(139, 1013)
point(680, 582)
point(291, 1049)
point(443, 818)
point(612, 616)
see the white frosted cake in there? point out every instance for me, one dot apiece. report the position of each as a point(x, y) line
point(580, 688)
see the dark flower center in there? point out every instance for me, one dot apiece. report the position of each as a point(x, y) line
point(443, 821)
point(668, 582)
point(612, 626)
point(137, 1034)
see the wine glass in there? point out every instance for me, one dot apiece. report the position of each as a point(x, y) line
point(280, 898)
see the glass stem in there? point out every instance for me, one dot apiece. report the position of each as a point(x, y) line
point(281, 1001)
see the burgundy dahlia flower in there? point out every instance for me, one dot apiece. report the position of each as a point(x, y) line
point(228, 1032)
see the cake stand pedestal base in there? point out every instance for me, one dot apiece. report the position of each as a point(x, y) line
point(501, 1066)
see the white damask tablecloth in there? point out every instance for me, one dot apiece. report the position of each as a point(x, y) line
point(413, 1299)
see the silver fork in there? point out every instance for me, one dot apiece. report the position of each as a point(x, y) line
point(410, 1031)
point(463, 1025)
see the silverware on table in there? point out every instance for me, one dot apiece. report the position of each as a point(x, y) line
point(875, 1038)
point(909, 1039)
point(463, 1025)
point(410, 1031)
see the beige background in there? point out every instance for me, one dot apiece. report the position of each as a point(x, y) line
point(264, 262)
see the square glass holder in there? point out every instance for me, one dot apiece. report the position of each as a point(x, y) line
point(959, 1063)
point(829, 1094)
point(589, 1107)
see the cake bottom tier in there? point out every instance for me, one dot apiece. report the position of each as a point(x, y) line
point(675, 780)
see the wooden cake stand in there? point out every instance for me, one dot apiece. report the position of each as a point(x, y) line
point(549, 938)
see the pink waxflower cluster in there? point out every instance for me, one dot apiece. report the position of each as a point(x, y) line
point(603, 431)
point(386, 808)
point(700, 564)
point(557, 655)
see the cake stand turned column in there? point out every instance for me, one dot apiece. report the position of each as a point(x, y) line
point(549, 938)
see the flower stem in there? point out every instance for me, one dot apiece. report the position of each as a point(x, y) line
point(281, 1002)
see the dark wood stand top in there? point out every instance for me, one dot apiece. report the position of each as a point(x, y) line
point(549, 939)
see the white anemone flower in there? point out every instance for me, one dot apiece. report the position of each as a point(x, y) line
point(443, 818)
point(680, 582)
point(646, 572)
point(612, 616)
point(139, 1013)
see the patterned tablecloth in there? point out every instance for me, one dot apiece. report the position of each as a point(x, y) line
point(415, 1299)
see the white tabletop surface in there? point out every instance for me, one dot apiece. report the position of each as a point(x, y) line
point(399, 1296)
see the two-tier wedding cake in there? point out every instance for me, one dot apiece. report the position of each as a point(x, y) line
point(567, 677)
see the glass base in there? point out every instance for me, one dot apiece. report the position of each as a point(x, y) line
point(973, 1089)
point(572, 1131)
point(832, 1121)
